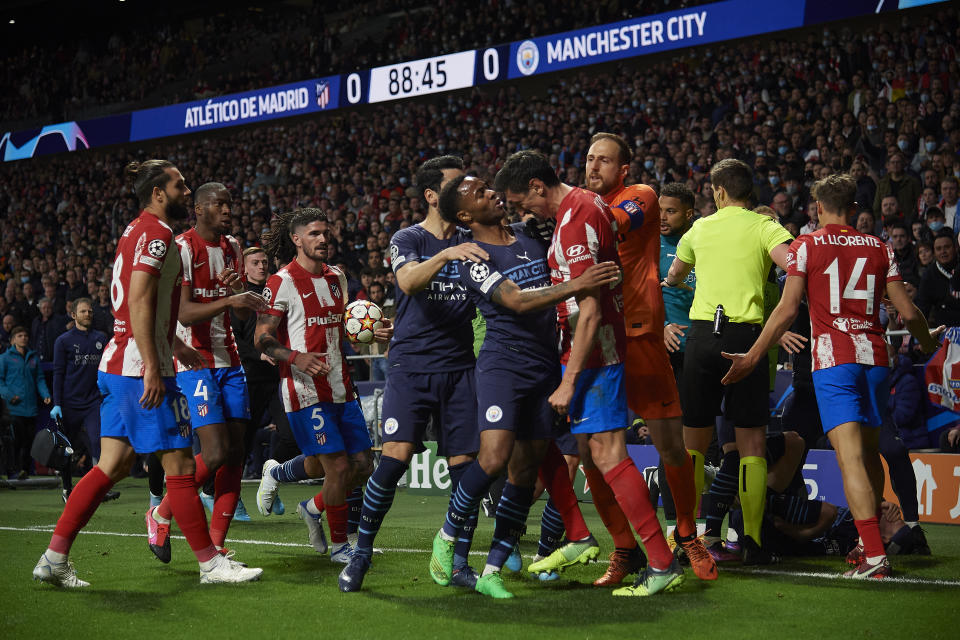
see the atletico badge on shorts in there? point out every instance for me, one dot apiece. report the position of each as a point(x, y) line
point(202, 409)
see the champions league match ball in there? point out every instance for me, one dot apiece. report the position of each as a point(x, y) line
point(361, 319)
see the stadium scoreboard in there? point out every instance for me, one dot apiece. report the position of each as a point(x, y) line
point(702, 24)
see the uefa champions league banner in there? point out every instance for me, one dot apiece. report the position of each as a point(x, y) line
point(704, 24)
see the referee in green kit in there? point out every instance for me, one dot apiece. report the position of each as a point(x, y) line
point(732, 250)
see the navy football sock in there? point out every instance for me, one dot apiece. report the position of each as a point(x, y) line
point(292, 470)
point(511, 518)
point(465, 499)
point(461, 549)
point(354, 508)
point(551, 530)
point(377, 500)
point(722, 492)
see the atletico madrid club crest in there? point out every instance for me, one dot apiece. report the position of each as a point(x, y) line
point(202, 409)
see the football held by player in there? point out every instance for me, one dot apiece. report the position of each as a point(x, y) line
point(302, 330)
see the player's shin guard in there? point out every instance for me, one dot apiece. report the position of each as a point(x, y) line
point(226, 496)
point(632, 494)
point(753, 494)
point(188, 511)
point(697, 458)
point(512, 514)
point(377, 500)
point(683, 490)
point(613, 517)
point(722, 492)
point(555, 477)
point(551, 530)
point(82, 503)
point(200, 476)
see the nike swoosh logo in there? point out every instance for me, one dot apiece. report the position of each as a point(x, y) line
point(576, 421)
point(307, 295)
point(198, 265)
point(666, 404)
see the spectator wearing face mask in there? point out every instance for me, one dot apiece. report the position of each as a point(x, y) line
point(936, 220)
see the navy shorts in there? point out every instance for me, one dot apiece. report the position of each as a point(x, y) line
point(450, 397)
point(215, 395)
point(330, 427)
point(852, 393)
point(516, 401)
point(147, 430)
point(564, 439)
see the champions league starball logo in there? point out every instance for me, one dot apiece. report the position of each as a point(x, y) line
point(528, 57)
point(479, 272)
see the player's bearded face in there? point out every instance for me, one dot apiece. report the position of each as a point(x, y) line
point(176, 206)
point(313, 241)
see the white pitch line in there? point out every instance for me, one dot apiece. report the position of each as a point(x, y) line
point(724, 569)
point(838, 576)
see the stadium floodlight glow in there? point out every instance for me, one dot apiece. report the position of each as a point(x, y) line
point(12, 21)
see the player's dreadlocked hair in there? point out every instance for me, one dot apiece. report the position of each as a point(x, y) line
point(277, 242)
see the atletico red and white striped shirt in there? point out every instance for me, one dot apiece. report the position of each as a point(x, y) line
point(146, 245)
point(202, 262)
point(847, 274)
point(310, 307)
point(586, 234)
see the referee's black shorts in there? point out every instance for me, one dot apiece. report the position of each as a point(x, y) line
point(746, 403)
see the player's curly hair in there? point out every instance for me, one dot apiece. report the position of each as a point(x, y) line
point(277, 242)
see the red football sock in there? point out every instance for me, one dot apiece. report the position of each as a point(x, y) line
point(869, 531)
point(200, 477)
point(84, 500)
point(337, 517)
point(610, 512)
point(188, 511)
point(227, 489)
point(318, 502)
point(634, 498)
point(684, 492)
point(555, 477)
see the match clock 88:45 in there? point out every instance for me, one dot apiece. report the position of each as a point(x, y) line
point(420, 77)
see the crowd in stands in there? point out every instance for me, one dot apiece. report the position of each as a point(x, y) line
point(881, 101)
point(227, 52)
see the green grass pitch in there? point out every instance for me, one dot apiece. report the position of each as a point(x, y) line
point(134, 595)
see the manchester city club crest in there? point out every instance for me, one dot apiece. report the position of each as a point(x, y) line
point(528, 57)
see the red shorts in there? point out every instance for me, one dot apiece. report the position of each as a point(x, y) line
point(651, 387)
